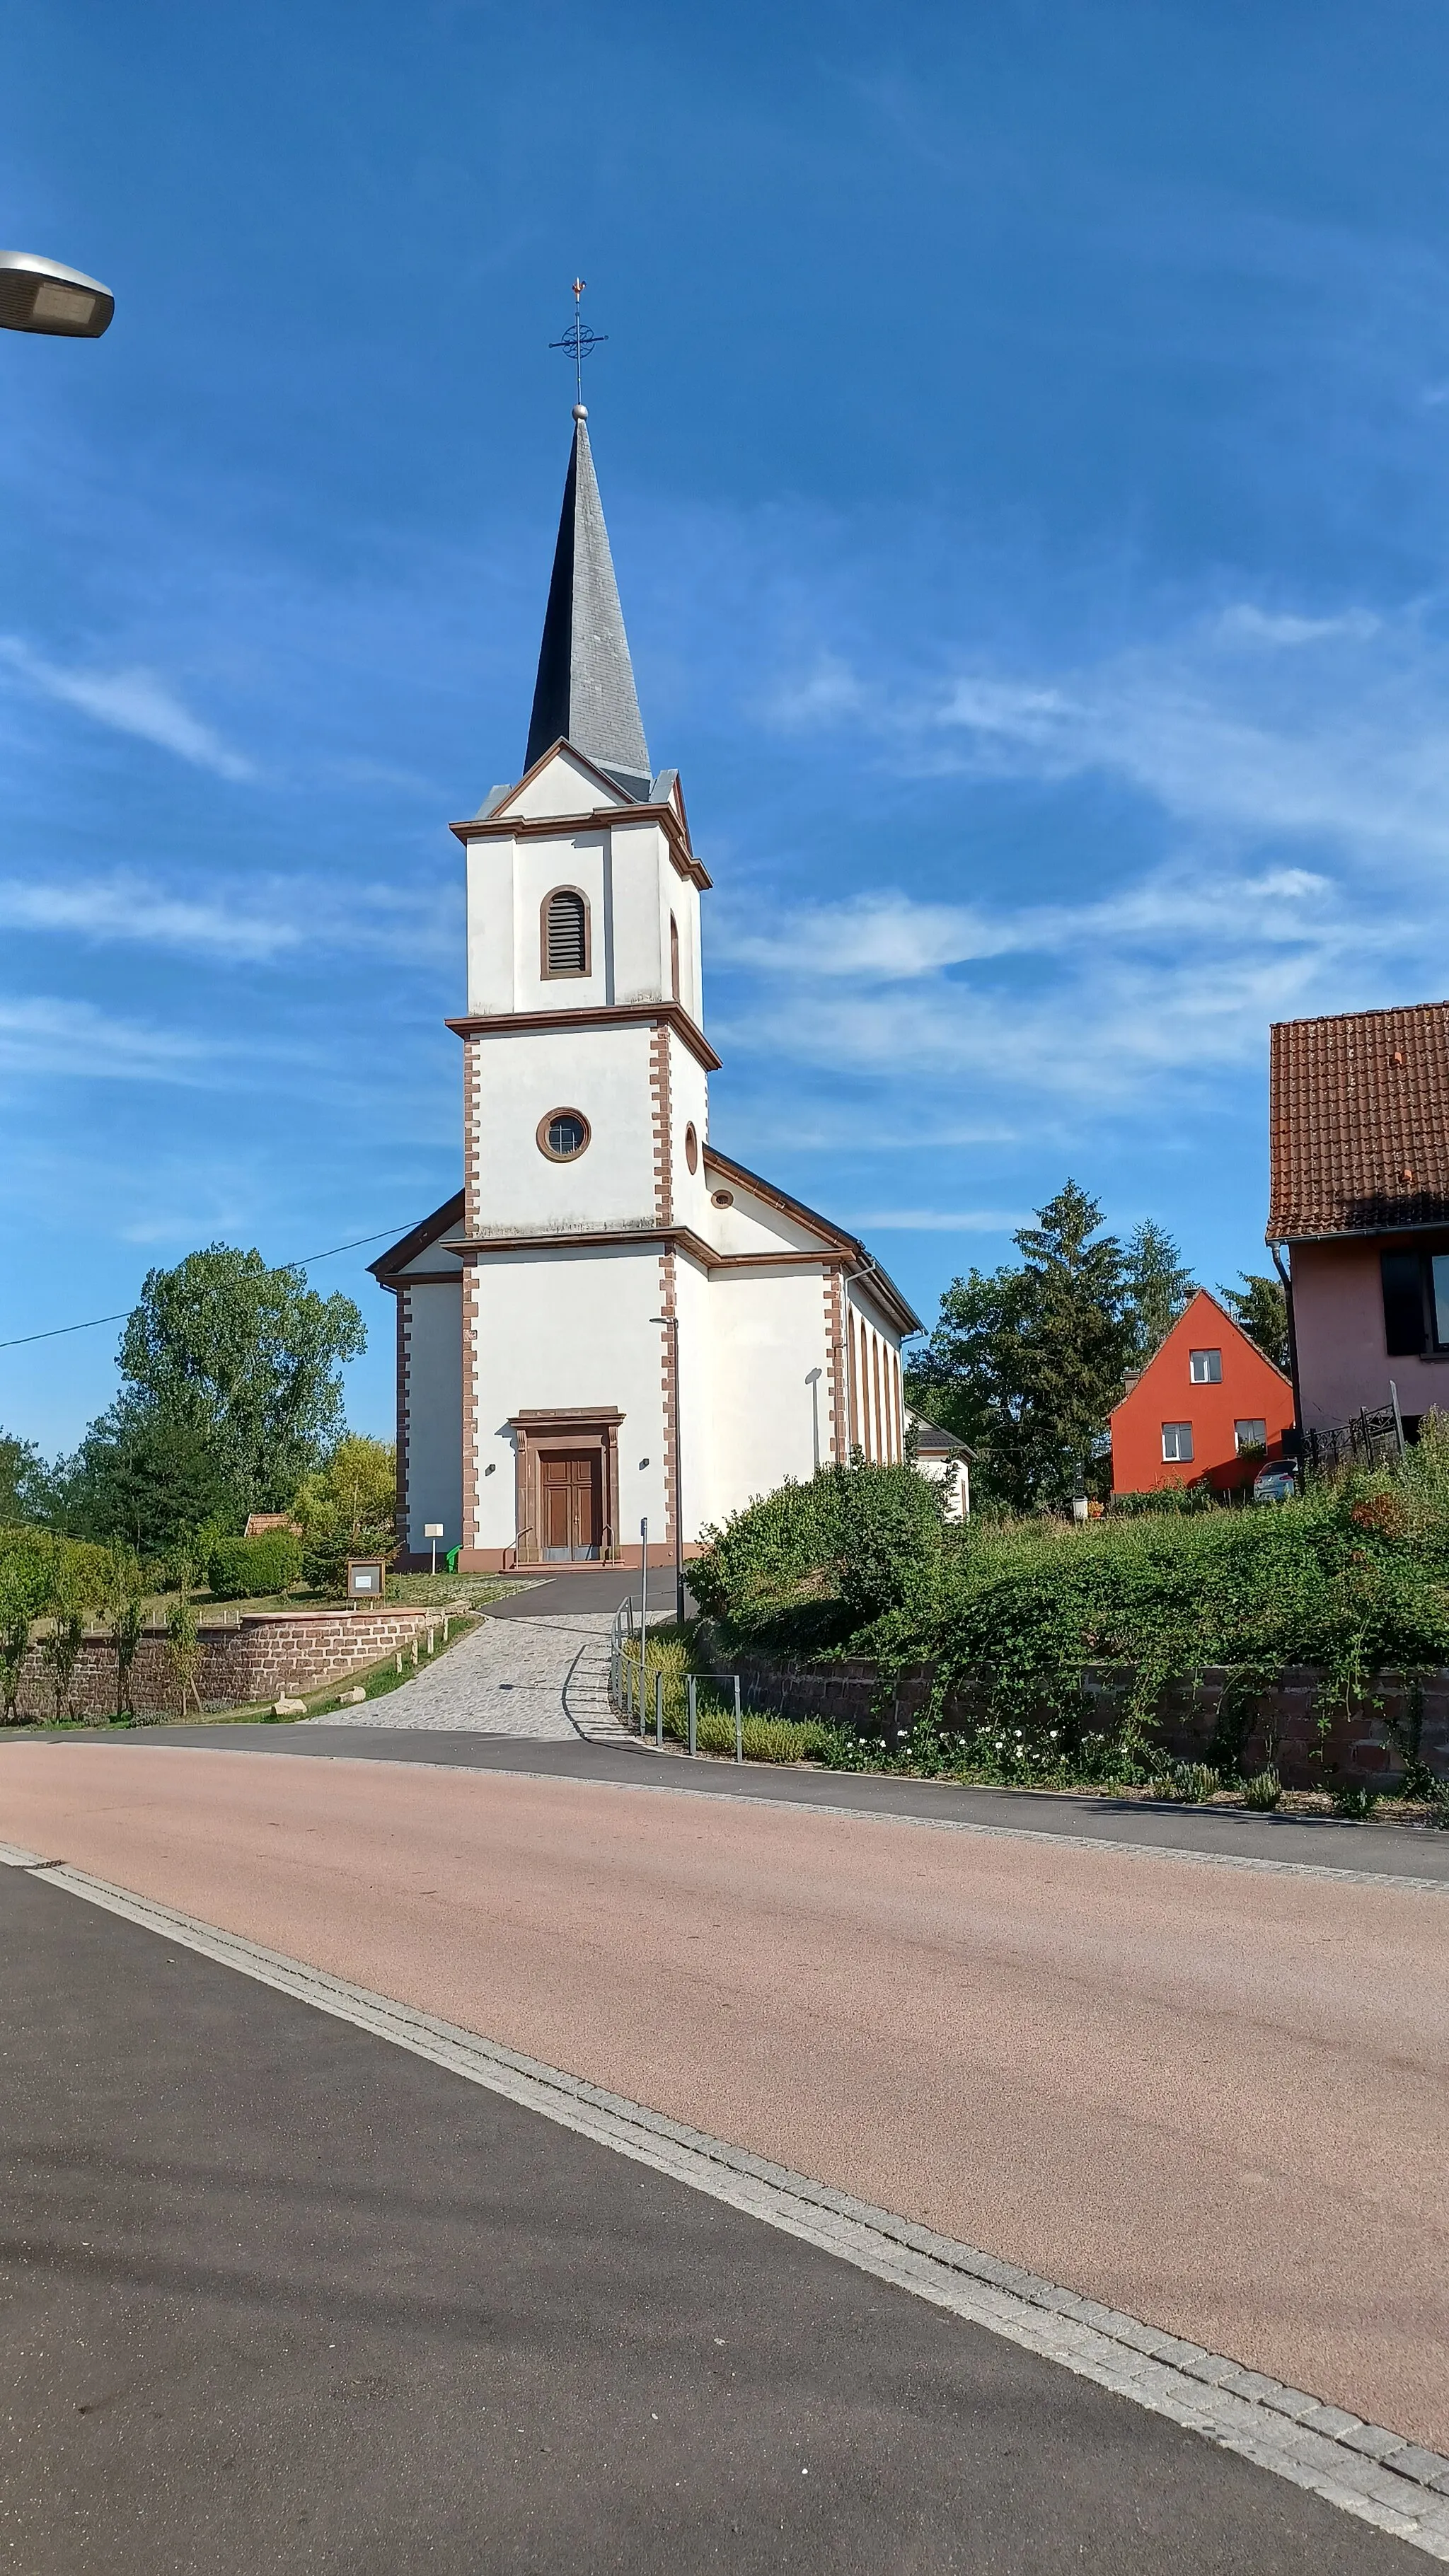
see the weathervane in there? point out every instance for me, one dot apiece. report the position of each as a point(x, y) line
point(579, 339)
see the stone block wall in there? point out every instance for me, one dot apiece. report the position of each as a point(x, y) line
point(265, 1655)
point(1358, 1746)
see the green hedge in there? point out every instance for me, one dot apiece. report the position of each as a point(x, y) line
point(1352, 1578)
point(239, 1569)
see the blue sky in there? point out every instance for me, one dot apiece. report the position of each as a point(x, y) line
point(1023, 435)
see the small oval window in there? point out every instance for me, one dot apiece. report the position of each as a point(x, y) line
point(722, 1198)
point(563, 1134)
point(691, 1148)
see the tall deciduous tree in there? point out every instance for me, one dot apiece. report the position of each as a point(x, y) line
point(146, 1476)
point(231, 1396)
point(24, 1482)
point(251, 1355)
point(1026, 1363)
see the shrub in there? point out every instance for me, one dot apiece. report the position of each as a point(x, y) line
point(1355, 1804)
point(122, 1599)
point(1263, 1790)
point(857, 1541)
point(26, 1557)
point(348, 1508)
point(238, 1569)
point(1009, 1614)
point(1187, 1784)
point(76, 1586)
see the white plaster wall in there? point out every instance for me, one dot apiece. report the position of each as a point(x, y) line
point(570, 1329)
point(689, 1104)
point(766, 1332)
point(491, 936)
point(525, 1073)
point(644, 880)
point(632, 886)
point(435, 1412)
point(685, 907)
point(693, 1298)
point(563, 785)
point(752, 1224)
point(953, 1473)
point(539, 868)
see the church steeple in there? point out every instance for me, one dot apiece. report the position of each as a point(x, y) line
point(585, 688)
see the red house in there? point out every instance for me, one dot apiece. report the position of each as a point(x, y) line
point(1207, 1408)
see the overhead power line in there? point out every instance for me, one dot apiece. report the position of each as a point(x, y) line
point(303, 1262)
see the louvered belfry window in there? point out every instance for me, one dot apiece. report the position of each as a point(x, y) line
point(565, 933)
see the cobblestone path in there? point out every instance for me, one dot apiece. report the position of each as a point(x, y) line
point(545, 1677)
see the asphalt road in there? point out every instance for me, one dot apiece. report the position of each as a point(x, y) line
point(279, 2297)
point(1320, 1842)
point(1213, 2098)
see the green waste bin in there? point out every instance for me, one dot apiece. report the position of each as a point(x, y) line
point(451, 1560)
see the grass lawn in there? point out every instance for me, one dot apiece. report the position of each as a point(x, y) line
point(448, 1592)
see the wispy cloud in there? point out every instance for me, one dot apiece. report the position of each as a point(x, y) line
point(53, 1037)
point(254, 922)
point(1083, 1007)
point(1262, 723)
point(135, 701)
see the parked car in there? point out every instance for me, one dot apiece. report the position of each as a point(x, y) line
point(1276, 1483)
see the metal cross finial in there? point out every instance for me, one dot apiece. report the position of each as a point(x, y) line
point(578, 339)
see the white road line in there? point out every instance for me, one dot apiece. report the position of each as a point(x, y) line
point(1364, 2469)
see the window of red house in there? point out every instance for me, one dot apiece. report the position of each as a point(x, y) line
point(1206, 1369)
point(1177, 1443)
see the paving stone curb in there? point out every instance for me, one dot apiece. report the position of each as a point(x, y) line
point(1364, 2469)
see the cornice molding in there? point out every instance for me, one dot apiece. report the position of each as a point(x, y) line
point(605, 1015)
point(531, 827)
point(675, 1238)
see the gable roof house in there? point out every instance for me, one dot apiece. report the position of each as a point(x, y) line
point(1359, 1115)
point(1208, 1408)
point(943, 1460)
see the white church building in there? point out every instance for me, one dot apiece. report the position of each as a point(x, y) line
point(612, 1322)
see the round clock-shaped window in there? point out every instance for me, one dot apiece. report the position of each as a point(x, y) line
point(563, 1135)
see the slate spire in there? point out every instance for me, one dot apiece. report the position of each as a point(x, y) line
point(585, 688)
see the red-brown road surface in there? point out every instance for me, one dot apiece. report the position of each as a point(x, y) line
point(1213, 2097)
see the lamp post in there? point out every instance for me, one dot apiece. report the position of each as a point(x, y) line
point(40, 295)
point(672, 1324)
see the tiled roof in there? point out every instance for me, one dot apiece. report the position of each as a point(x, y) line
point(1359, 1123)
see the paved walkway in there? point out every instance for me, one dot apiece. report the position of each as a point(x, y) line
point(543, 1677)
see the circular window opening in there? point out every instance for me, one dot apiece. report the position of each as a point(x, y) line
point(722, 1198)
point(691, 1149)
point(563, 1134)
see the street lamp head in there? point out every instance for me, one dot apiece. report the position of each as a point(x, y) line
point(39, 295)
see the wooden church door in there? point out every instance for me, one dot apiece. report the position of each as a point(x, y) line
point(573, 1505)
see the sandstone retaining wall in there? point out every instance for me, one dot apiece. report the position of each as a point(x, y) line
point(1358, 1747)
point(265, 1655)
